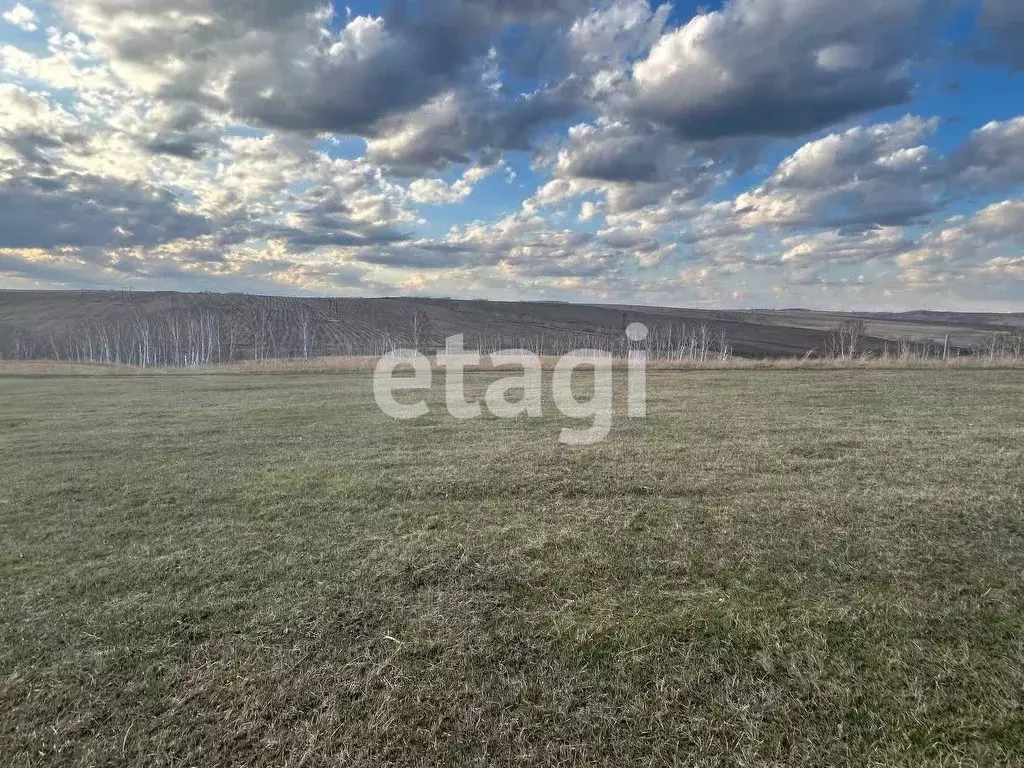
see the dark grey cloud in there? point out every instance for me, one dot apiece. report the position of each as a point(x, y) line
point(637, 165)
point(519, 243)
point(254, 276)
point(300, 240)
point(31, 146)
point(992, 158)
point(80, 210)
point(814, 252)
point(323, 219)
point(452, 128)
point(878, 176)
point(629, 241)
point(866, 177)
point(1002, 24)
point(289, 66)
point(372, 71)
point(519, 10)
point(440, 133)
point(615, 153)
point(187, 34)
point(577, 261)
point(428, 255)
point(49, 271)
point(781, 67)
point(984, 247)
point(186, 132)
point(33, 129)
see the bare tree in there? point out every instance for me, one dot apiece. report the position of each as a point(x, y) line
point(307, 331)
point(846, 340)
point(420, 329)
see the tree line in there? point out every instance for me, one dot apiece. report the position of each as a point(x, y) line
point(183, 335)
point(849, 339)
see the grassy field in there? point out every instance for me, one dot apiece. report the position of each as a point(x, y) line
point(776, 568)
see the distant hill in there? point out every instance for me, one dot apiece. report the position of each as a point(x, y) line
point(212, 327)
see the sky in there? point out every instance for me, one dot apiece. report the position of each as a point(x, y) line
point(749, 153)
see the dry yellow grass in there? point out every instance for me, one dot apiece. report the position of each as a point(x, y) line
point(364, 364)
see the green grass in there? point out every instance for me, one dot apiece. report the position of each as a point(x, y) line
point(776, 568)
